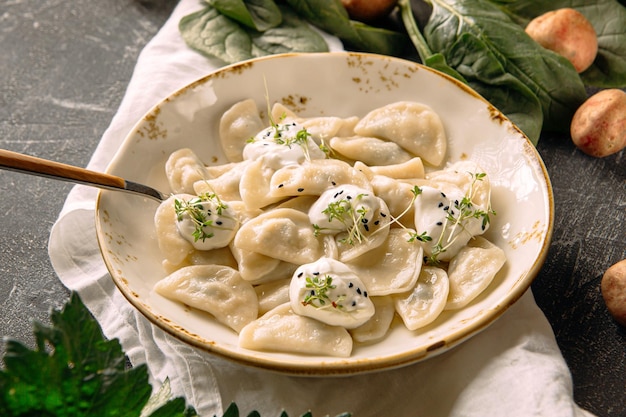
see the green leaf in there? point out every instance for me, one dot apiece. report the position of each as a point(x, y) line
point(331, 16)
point(457, 29)
point(260, 15)
point(73, 371)
point(292, 35)
point(214, 35)
point(608, 18)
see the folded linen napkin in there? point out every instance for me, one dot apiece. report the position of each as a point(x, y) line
point(513, 368)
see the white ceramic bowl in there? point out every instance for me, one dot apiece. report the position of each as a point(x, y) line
point(334, 84)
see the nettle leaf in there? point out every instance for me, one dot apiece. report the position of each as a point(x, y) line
point(260, 15)
point(608, 18)
point(550, 77)
point(73, 371)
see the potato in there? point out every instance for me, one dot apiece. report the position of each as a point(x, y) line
point(598, 127)
point(568, 33)
point(613, 287)
point(368, 10)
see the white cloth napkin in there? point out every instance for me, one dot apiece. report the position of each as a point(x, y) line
point(513, 368)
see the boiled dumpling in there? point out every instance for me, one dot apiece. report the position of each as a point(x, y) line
point(329, 291)
point(371, 151)
point(413, 126)
point(315, 177)
point(472, 270)
point(183, 168)
point(378, 325)
point(254, 186)
point(226, 185)
point(282, 330)
point(218, 290)
point(284, 234)
point(173, 246)
point(237, 125)
point(272, 294)
point(421, 305)
point(392, 267)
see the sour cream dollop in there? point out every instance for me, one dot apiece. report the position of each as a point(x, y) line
point(338, 208)
point(205, 221)
point(434, 214)
point(329, 291)
point(282, 145)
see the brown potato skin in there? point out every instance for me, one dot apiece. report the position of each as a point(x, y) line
point(568, 33)
point(613, 287)
point(598, 127)
point(368, 10)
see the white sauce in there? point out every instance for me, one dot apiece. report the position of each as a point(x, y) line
point(344, 302)
point(279, 147)
point(220, 228)
point(432, 207)
point(358, 203)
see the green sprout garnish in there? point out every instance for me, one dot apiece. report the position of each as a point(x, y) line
point(318, 294)
point(459, 212)
point(195, 210)
point(354, 220)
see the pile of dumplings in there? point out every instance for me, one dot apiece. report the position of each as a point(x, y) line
point(322, 233)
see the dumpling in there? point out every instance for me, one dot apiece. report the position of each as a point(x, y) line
point(218, 290)
point(468, 177)
point(371, 151)
point(315, 177)
point(221, 256)
point(173, 246)
point(398, 195)
point(282, 330)
point(238, 124)
point(378, 325)
point(392, 267)
point(413, 126)
point(408, 170)
point(254, 186)
point(226, 185)
point(472, 270)
point(257, 268)
point(284, 234)
point(272, 294)
point(424, 303)
point(183, 168)
point(329, 291)
point(324, 128)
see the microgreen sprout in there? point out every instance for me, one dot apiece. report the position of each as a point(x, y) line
point(319, 287)
point(200, 215)
point(353, 219)
point(457, 213)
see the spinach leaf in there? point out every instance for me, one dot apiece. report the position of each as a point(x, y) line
point(608, 18)
point(293, 34)
point(215, 35)
point(212, 34)
point(260, 15)
point(332, 17)
point(458, 29)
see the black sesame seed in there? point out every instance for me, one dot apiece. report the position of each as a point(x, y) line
point(219, 223)
point(383, 215)
point(439, 223)
point(365, 294)
point(333, 183)
point(366, 227)
point(446, 208)
point(364, 220)
point(358, 291)
point(349, 197)
point(300, 190)
point(443, 195)
point(300, 274)
point(440, 205)
point(316, 273)
point(281, 185)
point(354, 304)
point(377, 222)
point(350, 285)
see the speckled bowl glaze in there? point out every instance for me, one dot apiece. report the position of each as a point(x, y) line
point(331, 84)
